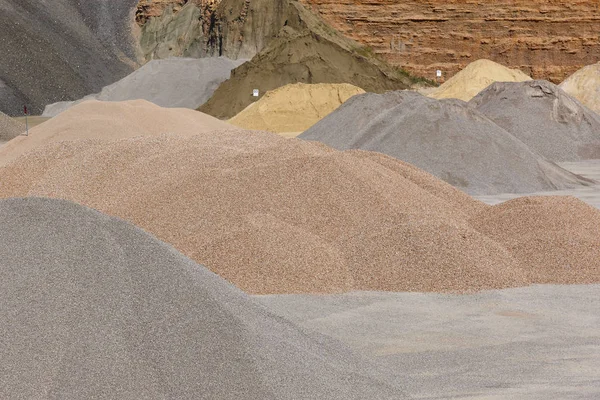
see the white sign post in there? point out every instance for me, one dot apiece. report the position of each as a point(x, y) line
point(255, 93)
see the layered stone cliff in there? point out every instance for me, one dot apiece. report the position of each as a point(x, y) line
point(547, 39)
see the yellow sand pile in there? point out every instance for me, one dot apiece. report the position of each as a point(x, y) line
point(474, 78)
point(584, 85)
point(295, 107)
point(111, 120)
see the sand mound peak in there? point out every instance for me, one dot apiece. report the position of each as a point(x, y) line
point(93, 307)
point(584, 85)
point(9, 128)
point(94, 119)
point(294, 107)
point(310, 219)
point(544, 117)
point(447, 138)
point(474, 78)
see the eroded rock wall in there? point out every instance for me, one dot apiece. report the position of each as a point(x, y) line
point(547, 39)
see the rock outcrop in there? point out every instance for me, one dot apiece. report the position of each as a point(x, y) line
point(545, 39)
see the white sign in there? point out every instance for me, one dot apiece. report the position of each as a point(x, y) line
point(438, 73)
point(255, 93)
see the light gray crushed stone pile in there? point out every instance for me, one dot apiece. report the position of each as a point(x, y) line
point(9, 128)
point(93, 307)
point(543, 116)
point(174, 82)
point(446, 138)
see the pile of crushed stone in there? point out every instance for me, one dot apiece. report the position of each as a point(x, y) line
point(446, 138)
point(544, 117)
point(584, 85)
point(295, 107)
point(94, 307)
point(111, 120)
point(475, 77)
point(9, 128)
point(174, 82)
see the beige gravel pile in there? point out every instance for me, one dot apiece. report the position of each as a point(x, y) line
point(109, 121)
point(557, 239)
point(274, 215)
point(95, 308)
point(295, 107)
point(9, 128)
point(474, 78)
point(584, 85)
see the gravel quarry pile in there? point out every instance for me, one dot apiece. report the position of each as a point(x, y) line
point(94, 307)
point(174, 82)
point(477, 76)
point(446, 138)
point(295, 107)
point(544, 117)
point(274, 215)
point(584, 85)
point(556, 238)
point(9, 128)
point(62, 50)
point(111, 120)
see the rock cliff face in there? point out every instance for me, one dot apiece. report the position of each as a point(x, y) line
point(547, 39)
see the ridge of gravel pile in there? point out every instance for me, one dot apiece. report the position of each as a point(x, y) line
point(474, 78)
point(294, 107)
point(94, 307)
point(93, 119)
point(544, 117)
point(9, 128)
point(174, 82)
point(584, 85)
point(446, 138)
point(556, 238)
point(274, 215)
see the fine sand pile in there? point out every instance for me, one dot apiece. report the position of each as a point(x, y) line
point(474, 78)
point(9, 128)
point(544, 117)
point(175, 82)
point(446, 138)
point(111, 120)
point(584, 85)
point(556, 238)
point(93, 307)
point(295, 107)
point(274, 215)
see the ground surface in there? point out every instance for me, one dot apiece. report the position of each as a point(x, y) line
point(539, 342)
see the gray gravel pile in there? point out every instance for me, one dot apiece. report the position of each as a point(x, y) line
point(93, 307)
point(62, 50)
point(175, 82)
point(9, 128)
point(543, 116)
point(446, 138)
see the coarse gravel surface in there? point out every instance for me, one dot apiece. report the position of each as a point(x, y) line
point(175, 82)
point(446, 138)
point(544, 117)
point(9, 128)
point(94, 307)
point(535, 343)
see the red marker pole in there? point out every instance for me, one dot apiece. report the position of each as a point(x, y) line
point(26, 122)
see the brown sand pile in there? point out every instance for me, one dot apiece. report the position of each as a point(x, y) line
point(9, 128)
point(584, 85)
point(474, 78)
point(556, 238)
point(274, 215)
point(294, 107)
point(108, 121)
